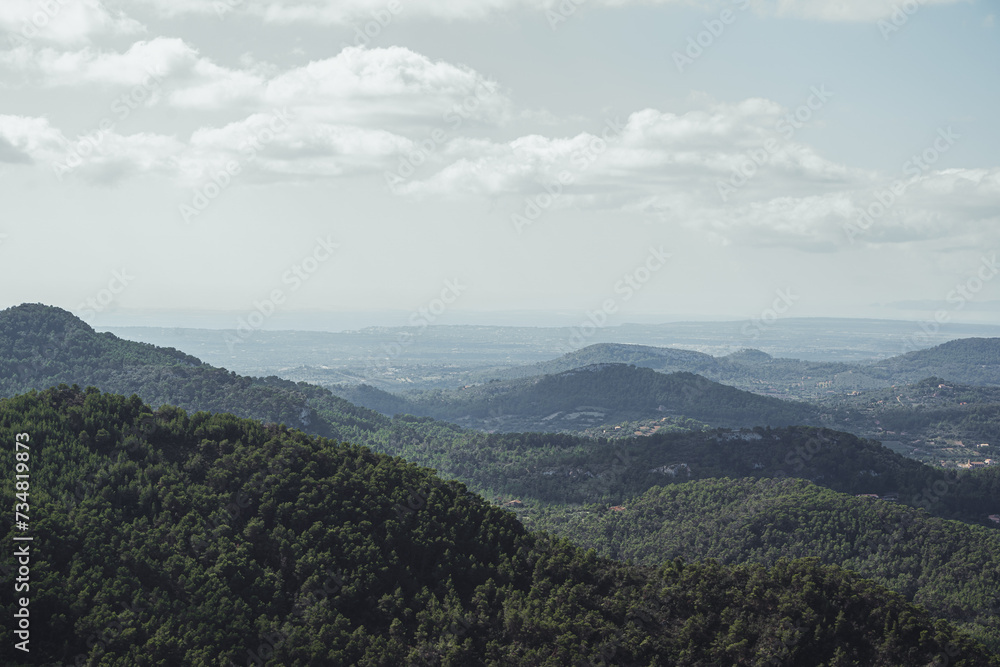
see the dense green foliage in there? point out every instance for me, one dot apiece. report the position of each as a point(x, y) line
point(549, 467)
point(967, 360)
point(957, 417)
point(611, 393)
point(951, 568)
point(973, 361)
point(163, 538)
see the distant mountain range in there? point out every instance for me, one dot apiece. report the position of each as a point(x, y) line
point(42, 346)
point(974, 361)
point(167, 451)
point(573, 400)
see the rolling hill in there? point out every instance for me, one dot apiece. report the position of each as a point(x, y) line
point(601, 394)
point(42, 346)
point(163, 538)
point(950, 568)
point(973, 361)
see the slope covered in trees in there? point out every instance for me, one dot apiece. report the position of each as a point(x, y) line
point(951, 568)
point(55, 346)
point(973, 361)
point(968, 360)
point(937, 418)
point(163, 538)
point(606, 393)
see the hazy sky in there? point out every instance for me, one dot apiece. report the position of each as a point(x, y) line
point(637, 160)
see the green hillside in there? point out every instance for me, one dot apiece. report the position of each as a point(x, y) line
point(162, 538)
point(973, 361)
point(54, 346)
point(967, 360)
point(608, 393)
point(950, 568)
point(932, 420)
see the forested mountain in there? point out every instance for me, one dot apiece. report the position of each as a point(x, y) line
point(603, 394)
point(54, 346)
point(42, 346)
point(562, 469)
point(162, 538)
point(663, 359)
point(974, 361)
point(933, 419)
point(967, 360)
point(950, 568)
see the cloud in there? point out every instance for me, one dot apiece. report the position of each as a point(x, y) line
point(63, 21)
point(280, 146)
point(708, 170)
point(650, 149)
point(50, 67)
point(734, 171)
point(11, 154)
point(841, 10)
point(350, 113)
point(24, 138)
point(346, 12)
point(361, 86)
point(358, 86)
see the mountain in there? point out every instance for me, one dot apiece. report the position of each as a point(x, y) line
point(950, 568)
point(162, 538)
point(663, 359)
point(42, 346)
point(546, 469)
point(601, 394)
point(931, 420)
point(974, 361)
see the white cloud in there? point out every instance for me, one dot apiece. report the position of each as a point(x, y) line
point(280, 146)
point(842, 10)
point(100, 156)
point(63, 21)
point(670, 167)
point(346, 12)
point(28, 138)
point(650, 149)
point(50, 67)
point(362, 86)
point(358, 86)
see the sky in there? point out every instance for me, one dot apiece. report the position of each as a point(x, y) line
point(449, 161)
